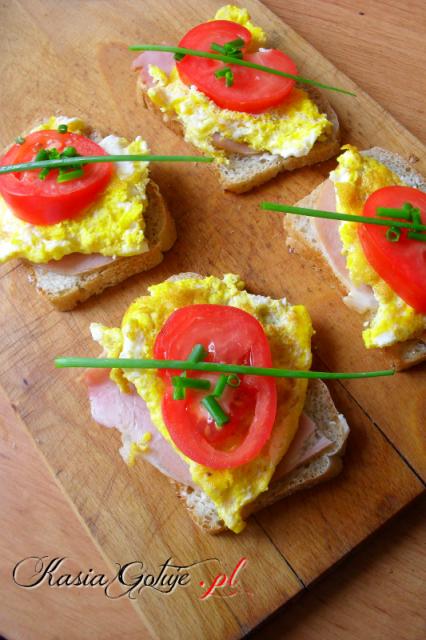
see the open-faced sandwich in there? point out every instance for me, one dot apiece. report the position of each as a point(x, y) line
point(84, 228)
point(254, 123)
point(232, 444)
point(381, 269)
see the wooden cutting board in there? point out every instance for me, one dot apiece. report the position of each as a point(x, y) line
point(73, 60)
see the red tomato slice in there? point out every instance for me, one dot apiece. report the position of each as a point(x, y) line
point(401, 264)
point(252, 91)
point(47, 201)
point(232, 336)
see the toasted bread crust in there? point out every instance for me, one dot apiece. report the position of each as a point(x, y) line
point(243, 173)
point(65, 292)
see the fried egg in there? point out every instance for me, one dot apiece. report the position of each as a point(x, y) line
point(112, 226)
point(355, 179)
point(288, 130)
point(288, 329)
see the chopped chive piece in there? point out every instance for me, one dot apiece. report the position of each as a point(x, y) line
point(233, 381)
point(70, 175)
point(63, 128)
point(393, 235)
point(191, 383)
point(417, 236)
point(178, 391)
point(415, 217)
point(69, 152)
point(44, 173)
point(225, 72)
point(197, 354)
point(220, 385)
point(231, 49)
point(215, 410)
point(19, 140)
point(407, 211)
point(179, 56)
point(42, 155)
point(235, 44)
point(393, 213)
point(229, 79)
point(217, 47)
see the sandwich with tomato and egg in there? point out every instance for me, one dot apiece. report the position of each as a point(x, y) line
point(84, 228)
point(231, 444)
point(382, 271)
point(254, 123)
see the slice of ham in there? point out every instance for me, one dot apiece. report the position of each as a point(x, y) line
point(161, 59)
point(129, 414)
point(361, 298)
point(77, 264)
point(308, 443)
point(232, 147)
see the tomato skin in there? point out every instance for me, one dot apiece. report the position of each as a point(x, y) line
point(252, 91)
point(233, 336)
point(45, 202)
point(401, 264)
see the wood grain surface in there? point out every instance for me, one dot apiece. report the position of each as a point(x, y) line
point(381, 588)
point(309, 533)
point(37, 516)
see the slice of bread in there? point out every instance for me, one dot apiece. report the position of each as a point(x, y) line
point(302, 238)
point(243, 173)
point(66, 291)
point(320, 408)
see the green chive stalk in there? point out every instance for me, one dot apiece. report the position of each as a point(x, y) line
point(66, 162)
point(345, 217)
point(211, 367)
point(182, 51)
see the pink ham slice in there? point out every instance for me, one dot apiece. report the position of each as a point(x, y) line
point(130, 415)
point(77, 264)
point(308, 443)
point(232, 147)
point(161, 59)
point(327, 231)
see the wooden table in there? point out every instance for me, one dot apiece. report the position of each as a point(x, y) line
point(381, 590)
